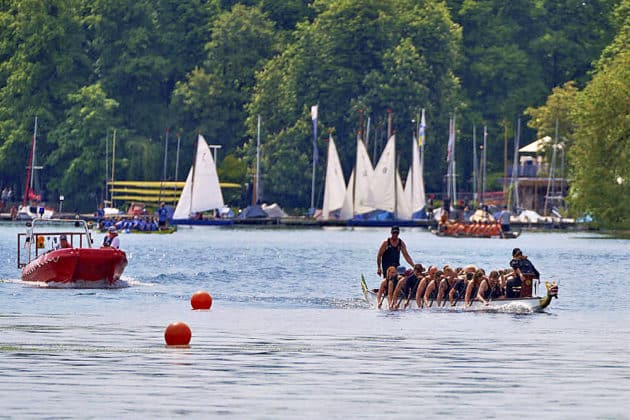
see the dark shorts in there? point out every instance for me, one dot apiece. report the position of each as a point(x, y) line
point(505, 228)
point(162, 223)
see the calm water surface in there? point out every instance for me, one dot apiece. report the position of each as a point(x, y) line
point(289, 336)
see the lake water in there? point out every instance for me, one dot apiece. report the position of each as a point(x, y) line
point(289, 335)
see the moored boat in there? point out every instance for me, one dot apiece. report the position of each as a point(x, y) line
point(502, 235)
point(526, 305)
point(61, 251)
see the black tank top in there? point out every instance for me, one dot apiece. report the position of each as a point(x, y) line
point(391, 256)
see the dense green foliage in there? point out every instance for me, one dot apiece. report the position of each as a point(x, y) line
point(85, 68)
point(601, 149)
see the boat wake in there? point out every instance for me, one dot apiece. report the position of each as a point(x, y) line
point(284, 301)
point(79, 284)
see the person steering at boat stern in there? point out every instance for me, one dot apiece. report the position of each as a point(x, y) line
point(524, 273)
point(111, 238)
point(389, 252)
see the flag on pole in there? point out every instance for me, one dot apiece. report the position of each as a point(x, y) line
point(314, 118)
point(451, 140)
point(423, 126)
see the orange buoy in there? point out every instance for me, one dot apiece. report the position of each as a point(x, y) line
point(177, 334)
point(201, 300)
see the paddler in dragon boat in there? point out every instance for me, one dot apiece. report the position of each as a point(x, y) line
point(389, 256)
point(408, 286)
point(422, 285)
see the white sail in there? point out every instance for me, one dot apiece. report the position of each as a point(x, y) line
point(347, 209)
point(403, 202)
point(203, 192)
point(382, 194)
point(335, 187)
point(415, 182)
point(364, 173)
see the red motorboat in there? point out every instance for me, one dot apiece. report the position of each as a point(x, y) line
point(61, 251)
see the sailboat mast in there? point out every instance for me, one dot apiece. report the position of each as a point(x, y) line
point(179, 137)
point(514, 186)
point(28, 187)
point(421, 136)
point(111, 195)
point(552, 170)
point(106, 163)
point(168, 130)
point(475, 190)
point(257, 176)
point(356, 164)
point(192, 178)
point(454, 176)
point(314, 116)
point(483, 181)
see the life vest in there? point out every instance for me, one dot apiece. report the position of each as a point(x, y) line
point(107, 240)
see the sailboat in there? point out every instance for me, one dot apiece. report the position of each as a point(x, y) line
point(335, 186)
point(386, 189)
point(357, 194)
point(27, 211)
point(201, 191)
point(109, 210)
point(414, 186)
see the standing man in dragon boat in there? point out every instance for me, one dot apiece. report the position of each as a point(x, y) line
point(389, 256)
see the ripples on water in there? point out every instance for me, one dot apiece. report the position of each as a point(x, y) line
point(289, 335)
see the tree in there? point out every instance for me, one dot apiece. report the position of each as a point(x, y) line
point(77, 160)
point(354, 55)
point(43, 60)
point(557, 108)
point(213, 96)
point(600, 156)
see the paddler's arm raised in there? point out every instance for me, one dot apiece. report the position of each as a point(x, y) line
point(379, 257)
point(403, 249)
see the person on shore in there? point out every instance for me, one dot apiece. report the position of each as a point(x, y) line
point(111, 238)
point(162, 213)
point(504, 219)
point(389, 252)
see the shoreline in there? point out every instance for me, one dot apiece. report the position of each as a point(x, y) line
point(304, 222)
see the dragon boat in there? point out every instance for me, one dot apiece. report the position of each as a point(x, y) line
point(502, 235)
point(43, 258)
point(522, 304)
